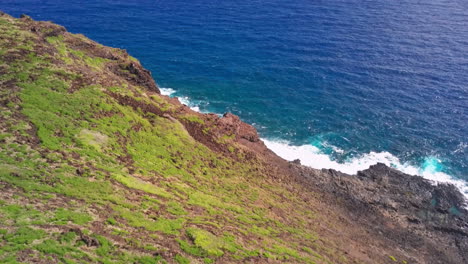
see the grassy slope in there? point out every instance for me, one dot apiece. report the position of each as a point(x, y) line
point(87, 178)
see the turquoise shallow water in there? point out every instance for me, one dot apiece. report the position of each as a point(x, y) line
point(339, 84)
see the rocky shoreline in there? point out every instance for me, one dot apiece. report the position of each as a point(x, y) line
point(427, 222)
point(410, 213)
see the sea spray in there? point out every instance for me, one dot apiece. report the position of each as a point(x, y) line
point(312, 156)
point(183, 99)
point(167, 91)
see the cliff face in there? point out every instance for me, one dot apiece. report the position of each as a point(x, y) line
point(97, 166)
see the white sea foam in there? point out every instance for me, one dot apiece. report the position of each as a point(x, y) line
point(183, 99)
point(312, 156)
point(167, 91)
point(186, 101)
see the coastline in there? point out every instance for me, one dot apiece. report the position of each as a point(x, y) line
point(128, 175)
point(313, 157)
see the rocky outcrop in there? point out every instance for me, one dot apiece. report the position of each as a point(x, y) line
point(136, 74)
point(232, 125)
point(123, 65)
point(411, 213)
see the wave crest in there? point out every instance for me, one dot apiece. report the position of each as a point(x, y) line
point(183, 99)
point(167, 91)
point(312, 156)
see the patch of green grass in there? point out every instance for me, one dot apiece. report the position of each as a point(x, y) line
point(53, 247)
point(105, 246)
point(24, 235)
point(208, 261)
point(192, 249)
point(68, 237)
point(63, 216)
point(263, 231)
point(208, 201)
point(283, 251)
point(209, 243)
point(310, 251)
point(224, 139)
point(57, 42)
point(138, 184)
point(70, 56)
point(181, 259)
point(193, 119)
point(13, 214)
point(148, 260)
point(164, 225)
point(111, 221)
point(92, 138)
point(98, 191)
point(201, 220)
point(94, 62)
point(169, 226)
point(175, 208)
point(56, 116)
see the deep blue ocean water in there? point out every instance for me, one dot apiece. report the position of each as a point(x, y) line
point(336, 83)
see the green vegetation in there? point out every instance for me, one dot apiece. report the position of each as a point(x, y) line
point(181, 259)
point(88, 177)
point(63, 216)
point(193, 119)
point(212, 245)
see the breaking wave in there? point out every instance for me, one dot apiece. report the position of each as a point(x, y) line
point(309, 155)
point(183, 99)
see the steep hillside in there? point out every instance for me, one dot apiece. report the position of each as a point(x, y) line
point(96, 166)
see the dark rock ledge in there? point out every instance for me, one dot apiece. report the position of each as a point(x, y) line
point(412, 213)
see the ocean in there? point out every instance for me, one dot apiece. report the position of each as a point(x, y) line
point(339, 84)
